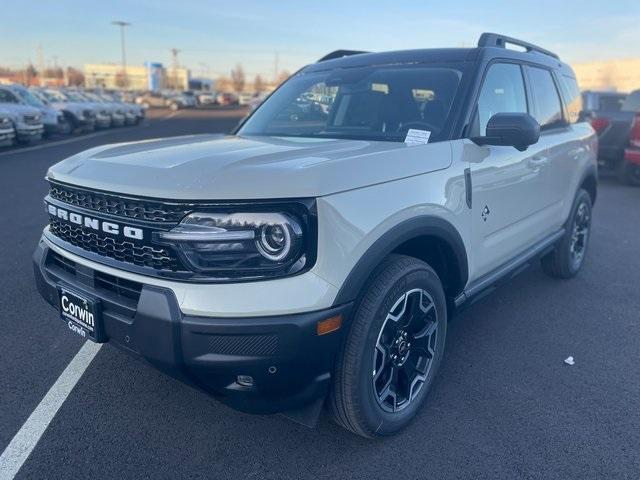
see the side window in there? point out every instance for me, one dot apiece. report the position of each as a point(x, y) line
point(502, 92)
point(7, 97)
point(573, 98)
point(547, 108)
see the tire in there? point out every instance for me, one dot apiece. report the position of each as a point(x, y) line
point(364, 367)
point(65, 127)
point(629, 173)
point(567, 258)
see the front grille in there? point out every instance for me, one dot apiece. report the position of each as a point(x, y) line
point(119, 297)
point(147, 210)
point(118, 249)
point(31, 120)
point(119, 286)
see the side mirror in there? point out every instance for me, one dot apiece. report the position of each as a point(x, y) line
point(518, 130)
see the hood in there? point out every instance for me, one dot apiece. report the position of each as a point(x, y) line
point(215, 167)
point(70, 106)
point(18, 109)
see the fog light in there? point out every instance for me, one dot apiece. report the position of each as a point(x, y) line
point(245, 380)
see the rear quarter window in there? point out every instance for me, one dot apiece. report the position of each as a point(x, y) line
point(572, 98)
point(546, 102)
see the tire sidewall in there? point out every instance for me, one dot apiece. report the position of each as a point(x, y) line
point(582, 198)
point(386, 423)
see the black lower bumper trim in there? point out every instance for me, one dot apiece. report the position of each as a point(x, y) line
point(289, 363)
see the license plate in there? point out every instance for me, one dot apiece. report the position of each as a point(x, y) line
point(81, 314)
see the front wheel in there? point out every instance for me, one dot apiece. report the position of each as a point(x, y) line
point(566, 260)
point(64, 126)
point(393, 349)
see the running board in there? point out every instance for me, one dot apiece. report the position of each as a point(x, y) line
point(489, 282)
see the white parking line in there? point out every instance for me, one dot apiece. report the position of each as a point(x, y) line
point(29, 435)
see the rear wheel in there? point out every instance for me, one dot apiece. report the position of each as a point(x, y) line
point(568, 256)
point(393, 350)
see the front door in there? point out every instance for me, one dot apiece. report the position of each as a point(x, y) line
point(507, 185)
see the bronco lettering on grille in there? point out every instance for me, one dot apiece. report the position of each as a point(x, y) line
point(95, 223)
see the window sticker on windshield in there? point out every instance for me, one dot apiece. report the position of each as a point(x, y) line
point(417, 137)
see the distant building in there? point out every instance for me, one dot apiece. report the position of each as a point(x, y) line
point(152, 76)
point(614, 75)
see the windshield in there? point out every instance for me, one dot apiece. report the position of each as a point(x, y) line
point(55, 96)
point(76, 97)
point(29, 98)
point(372, 103)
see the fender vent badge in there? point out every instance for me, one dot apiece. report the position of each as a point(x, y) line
point(485, 213)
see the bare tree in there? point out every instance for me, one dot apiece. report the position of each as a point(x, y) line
point(30, 73)
point(75, 78)
point(238, 78)
point(121, 80)
point(224, 84)
point(53, 73)
point(258, 84)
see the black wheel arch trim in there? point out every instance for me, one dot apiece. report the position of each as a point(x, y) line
point(590, 172)
point(407, 230)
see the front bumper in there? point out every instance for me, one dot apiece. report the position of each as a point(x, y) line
point(289, 362)
point(7, 137)
point(131, 118)
point(29, 132)
point(103, 121)
point(118, 120)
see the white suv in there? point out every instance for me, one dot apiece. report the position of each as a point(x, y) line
point(316, 255)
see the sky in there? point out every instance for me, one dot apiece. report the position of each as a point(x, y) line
point(214, 36)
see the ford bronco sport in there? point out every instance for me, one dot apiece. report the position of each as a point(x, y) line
point(314, 256)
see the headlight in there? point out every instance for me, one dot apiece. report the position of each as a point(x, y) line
point(243, 245)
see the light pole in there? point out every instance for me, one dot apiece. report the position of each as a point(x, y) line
point(122, 26)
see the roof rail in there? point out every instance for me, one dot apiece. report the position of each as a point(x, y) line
point(340, 54)
point(496, 40)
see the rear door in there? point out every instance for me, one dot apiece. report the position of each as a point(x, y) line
point(507, 190)
point(563, 147)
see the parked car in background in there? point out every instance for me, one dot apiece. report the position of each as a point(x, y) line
point(7, 132)
point(134, 114)
point(78, 114)
point(245, 98)
point(616, 119)
point(206, 98)
point(227, 98)
point(52, 119)
point(190, 98)
point(27, 121)
point(168, 99)
point(115, 110)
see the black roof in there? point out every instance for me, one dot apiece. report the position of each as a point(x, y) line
point(490, 46)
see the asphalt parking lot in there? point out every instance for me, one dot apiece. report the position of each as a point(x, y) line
point(505, 404)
